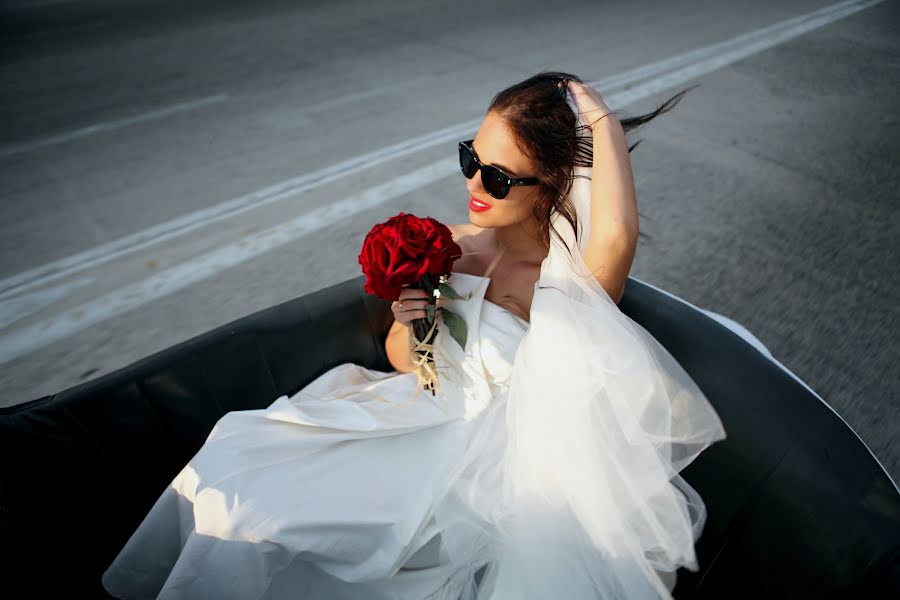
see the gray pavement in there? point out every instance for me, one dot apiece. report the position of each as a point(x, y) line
point(769, 195)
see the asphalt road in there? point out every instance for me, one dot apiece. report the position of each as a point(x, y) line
point(167, 167)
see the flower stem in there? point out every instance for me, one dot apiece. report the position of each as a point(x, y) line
point(423, 325)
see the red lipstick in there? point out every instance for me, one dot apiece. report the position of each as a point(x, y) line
point(476, 205)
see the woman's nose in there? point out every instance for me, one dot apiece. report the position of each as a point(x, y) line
point(474, 183)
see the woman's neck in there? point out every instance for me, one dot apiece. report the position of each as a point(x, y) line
point(519, 242)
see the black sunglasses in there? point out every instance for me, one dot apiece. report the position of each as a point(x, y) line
point(495, 181)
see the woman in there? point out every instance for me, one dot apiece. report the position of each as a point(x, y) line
point(550, 456)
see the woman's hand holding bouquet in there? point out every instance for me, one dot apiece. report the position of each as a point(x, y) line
point(408, 253)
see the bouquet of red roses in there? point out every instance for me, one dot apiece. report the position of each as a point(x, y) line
point(407, 250)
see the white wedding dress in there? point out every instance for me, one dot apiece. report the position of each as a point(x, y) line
point(341, 490)
point(551, 453)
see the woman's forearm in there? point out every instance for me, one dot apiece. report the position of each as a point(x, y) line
point(614, 200)
point(614, 220)
point(396, 346)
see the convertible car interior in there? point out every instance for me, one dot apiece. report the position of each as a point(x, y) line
point(798, 506)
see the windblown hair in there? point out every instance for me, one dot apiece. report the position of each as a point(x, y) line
point(544, 128)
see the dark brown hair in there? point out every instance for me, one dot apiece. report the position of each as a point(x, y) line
point(544, 128)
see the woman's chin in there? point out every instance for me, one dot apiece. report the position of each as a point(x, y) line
point(478, 218)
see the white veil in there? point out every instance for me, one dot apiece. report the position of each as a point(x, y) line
point(584, 499)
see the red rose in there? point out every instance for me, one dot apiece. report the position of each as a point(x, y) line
point(402, 250)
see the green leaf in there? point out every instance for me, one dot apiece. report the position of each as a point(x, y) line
point(449, 292)
point(456, 325)
point(429, 310)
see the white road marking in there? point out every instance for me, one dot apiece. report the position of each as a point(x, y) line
point(191, 221)
point(110, 125)
point(696, 62)
point(166, 282)
point(178, 277)
point(681, 69)
point(27, 304)
point(715, 56)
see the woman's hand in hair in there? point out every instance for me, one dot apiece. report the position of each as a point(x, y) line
point(589, 102)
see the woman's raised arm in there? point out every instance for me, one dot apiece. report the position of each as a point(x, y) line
point(614, 217)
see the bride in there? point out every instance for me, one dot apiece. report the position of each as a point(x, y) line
point(546, 466)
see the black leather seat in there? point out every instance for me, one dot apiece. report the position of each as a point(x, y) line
point(798, 507)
